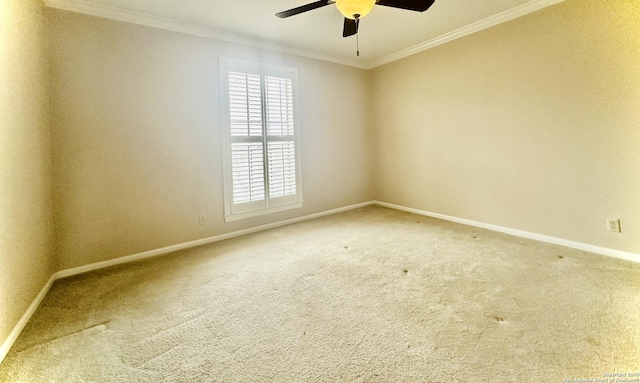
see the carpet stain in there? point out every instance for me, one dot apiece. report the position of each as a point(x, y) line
point(592, 341)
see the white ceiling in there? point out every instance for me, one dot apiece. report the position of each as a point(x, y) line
point(385, 34)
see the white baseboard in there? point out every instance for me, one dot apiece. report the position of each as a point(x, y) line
point(186, 245)
point(13, 336)
point(520, 233)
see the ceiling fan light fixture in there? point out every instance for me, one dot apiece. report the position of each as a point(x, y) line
point(350, 8)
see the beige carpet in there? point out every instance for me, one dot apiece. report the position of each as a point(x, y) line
point(372, 295)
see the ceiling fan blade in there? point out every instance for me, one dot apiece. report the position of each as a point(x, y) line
point(412, 5)
point(303, 8)
point(350, 27)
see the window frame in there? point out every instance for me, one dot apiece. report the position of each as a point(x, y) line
point(235, 212)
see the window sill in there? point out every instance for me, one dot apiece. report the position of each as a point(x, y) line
point(257, 213)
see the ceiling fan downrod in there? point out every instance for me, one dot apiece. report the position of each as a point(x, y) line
point(357, 18)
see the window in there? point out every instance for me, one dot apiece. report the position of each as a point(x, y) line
point(260, 139)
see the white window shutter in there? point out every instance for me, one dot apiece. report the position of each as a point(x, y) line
point(282, 169)
point(279, 106)
point(281, 154)
point(247, 169)
point(262, 164)
point(245, 104)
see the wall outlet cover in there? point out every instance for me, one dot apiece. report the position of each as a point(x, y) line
point(613, 225)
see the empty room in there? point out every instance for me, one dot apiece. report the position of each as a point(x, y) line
point(320, 191)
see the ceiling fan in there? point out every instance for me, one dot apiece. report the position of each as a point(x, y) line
point(354, 10)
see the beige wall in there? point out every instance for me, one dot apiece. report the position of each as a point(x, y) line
point(136, 137)
point(25, 160)
point(533, 125)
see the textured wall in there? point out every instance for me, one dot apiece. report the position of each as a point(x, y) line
point(533, 124)
point(136, 137)
point(25, 159)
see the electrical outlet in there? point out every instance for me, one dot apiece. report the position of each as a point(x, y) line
point(203, 219)
point(613, 225)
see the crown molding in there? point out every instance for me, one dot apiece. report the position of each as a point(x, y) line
point(478, 26)
point(89, 8)
point(114, 13)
